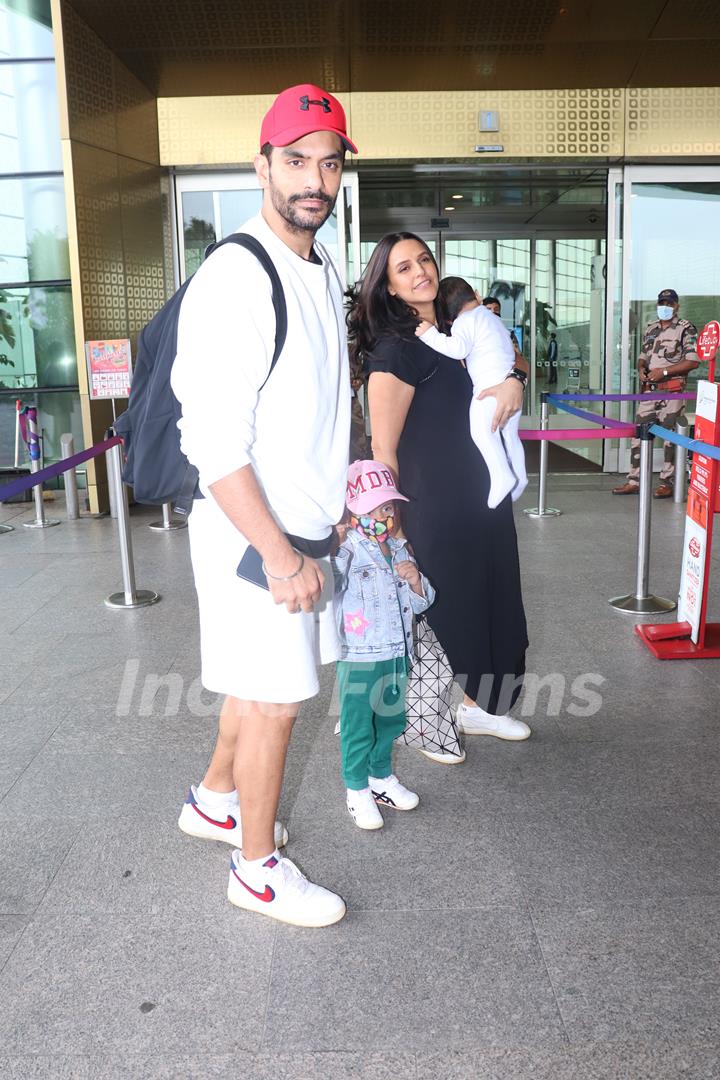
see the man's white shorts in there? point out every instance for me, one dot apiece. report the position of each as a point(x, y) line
point(251, 647)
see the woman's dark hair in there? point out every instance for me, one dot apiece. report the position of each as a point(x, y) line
point(373, 311)
point(454, 293)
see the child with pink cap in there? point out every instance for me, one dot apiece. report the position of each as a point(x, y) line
point(378, 591)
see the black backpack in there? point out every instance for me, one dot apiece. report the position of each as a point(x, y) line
point(155, 466)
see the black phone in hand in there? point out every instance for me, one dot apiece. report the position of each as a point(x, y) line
point(250, 568)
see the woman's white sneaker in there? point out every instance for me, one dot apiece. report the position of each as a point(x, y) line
point(363, 809)
point(277, 888)
point(212, 823)
point(390, 792)
point(444, 757)
point(475, 721)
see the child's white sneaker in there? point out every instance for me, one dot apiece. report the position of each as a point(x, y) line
point(220, 822)
point(390, 792)
point(277, 888)
point(363, 810)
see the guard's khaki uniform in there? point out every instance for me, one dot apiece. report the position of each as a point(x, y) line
point(662, 348)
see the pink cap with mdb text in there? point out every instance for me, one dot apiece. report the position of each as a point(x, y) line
point(369, 485)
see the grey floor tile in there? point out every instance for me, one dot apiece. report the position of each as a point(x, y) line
point(646, 970)
point(117, 865)
point(614, 853)
point(11, 927)
point(423, 860)
point(24, 730)
point(142, 721)
point(92, 785)
point(248, 1066)
point(138, 984)
point(31, 852)
point(667, 718)
point(608, 1061)
point(403, 981)
point(596, 773)
point(97, 685)
point(54, 1067)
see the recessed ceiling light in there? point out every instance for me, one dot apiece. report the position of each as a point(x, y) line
point(457, 196)
point(449, 207)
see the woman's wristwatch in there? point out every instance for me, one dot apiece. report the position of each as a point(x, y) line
point(519, 374)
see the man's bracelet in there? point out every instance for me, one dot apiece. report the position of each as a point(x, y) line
point(289, 577)
point(516, 373)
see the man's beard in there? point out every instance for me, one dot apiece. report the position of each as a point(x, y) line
point(291, 215)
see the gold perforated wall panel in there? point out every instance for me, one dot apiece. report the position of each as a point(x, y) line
point(117, 208)
point(673, 123)
point(601, 123)
point(551, 123)
point(205, 131)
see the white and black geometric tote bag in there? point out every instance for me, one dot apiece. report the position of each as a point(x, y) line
point(430, 721)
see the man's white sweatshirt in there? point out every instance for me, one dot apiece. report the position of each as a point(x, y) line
point(295, 432)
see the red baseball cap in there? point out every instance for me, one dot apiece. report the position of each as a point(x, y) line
point(300, 110)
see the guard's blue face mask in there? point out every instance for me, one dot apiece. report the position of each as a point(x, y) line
point(664, 311)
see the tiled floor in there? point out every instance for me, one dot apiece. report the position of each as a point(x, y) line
point(549, 912)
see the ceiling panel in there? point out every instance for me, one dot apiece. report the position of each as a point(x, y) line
point(191, 47)
point(678, 63)
point(688, 19)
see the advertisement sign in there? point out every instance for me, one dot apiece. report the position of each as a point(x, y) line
point(707, 430)
point(702, 502)
point(708, 341)
point(692, 574)
point(109, 368)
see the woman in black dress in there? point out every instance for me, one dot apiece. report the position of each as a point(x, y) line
point(419, 402)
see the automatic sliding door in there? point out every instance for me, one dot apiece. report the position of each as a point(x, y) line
point(569, 322)
point(212, 205)
point(670, 223)
point(498, 268)
point(552, 294)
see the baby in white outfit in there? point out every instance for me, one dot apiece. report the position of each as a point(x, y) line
point(480, 339)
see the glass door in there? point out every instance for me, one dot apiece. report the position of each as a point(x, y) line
point(670, 221)
point(551, 289)
point(209, 206)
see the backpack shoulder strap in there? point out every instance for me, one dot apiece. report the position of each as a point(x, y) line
point(278, 295)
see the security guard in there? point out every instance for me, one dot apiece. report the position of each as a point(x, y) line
point(668, 355)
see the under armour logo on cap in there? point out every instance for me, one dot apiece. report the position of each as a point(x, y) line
point(306, 102)
point(300, 111)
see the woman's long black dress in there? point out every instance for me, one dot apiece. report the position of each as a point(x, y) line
point(468, 551)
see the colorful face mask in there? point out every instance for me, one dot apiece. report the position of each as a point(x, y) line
point(371, 528)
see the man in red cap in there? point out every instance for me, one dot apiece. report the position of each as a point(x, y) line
point(271, 450)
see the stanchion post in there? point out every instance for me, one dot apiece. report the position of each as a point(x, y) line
point(72, 503)
point(131, 597)
point(34, 450)
point(167, 524)
point(541, 510)
point(642, 602)
point(680, 480)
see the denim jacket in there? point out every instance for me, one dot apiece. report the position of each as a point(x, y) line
point(374, 607)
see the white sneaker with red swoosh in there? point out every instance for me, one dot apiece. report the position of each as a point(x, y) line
point(212, 823)
point(279, 890)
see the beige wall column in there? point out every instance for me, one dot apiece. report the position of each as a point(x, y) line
point(116, 201)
